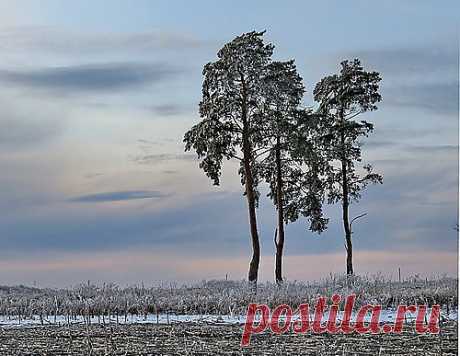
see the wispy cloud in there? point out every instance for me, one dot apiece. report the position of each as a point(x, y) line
point(434, 149)
point(418, 149)
point(57, 40)
point(93, 175)
point(163, 157)
point(167, 109)
point(424, 78)
point(377, 144)
point(90, 77)
point(19, 133)
point(25, 123)
point(119, 196)
point(440, 98)
point(413, 60)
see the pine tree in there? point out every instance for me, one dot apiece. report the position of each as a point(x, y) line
point(230, 128)
point(342, 97)
point(290, 164)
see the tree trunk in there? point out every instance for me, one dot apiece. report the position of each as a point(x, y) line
point(250, 194)
point(346, 223)
point(345, 214)
point(279, 205)
point(254, 265)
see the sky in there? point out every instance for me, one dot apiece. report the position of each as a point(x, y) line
point(95, 97)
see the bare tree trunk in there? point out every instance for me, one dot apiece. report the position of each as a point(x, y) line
point(346, 223)
point(254, 264)
point(250, 194)
point(279, 205)
point(345, 213)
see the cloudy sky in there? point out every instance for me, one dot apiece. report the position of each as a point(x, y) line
point(95, 97)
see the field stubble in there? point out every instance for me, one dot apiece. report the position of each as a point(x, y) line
point(205, 339)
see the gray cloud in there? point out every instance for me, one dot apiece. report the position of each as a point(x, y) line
point(422, 149)
point(440, 98)
point(118, 196)
point(216, 223)
point(57, 40)
point(418, 61)
point(401, 134)
point(167, 109)
point(425, 78)
point(204, 230)
point(93, 175)
point(163, 157)
point(26, 123)
point(434, 149)
point(378, 144)
point(109, 76)
point(17, 132)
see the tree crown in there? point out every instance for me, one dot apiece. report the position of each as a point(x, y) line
point(231, 100)
point(341, 98)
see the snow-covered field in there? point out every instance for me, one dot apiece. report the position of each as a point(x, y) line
point(35, 320)
point(223, 302)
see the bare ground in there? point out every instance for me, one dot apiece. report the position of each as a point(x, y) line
point(203, 339)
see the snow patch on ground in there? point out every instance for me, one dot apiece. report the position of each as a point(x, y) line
point(386, 316)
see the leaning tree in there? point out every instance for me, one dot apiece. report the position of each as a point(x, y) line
point(232, 95)
point(290, 164)
point(342, 97)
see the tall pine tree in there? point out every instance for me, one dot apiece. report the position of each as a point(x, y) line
point(290, 165)
point(342, 97)
point(233, 94)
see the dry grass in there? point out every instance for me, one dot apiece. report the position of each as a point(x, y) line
point(218, 297)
